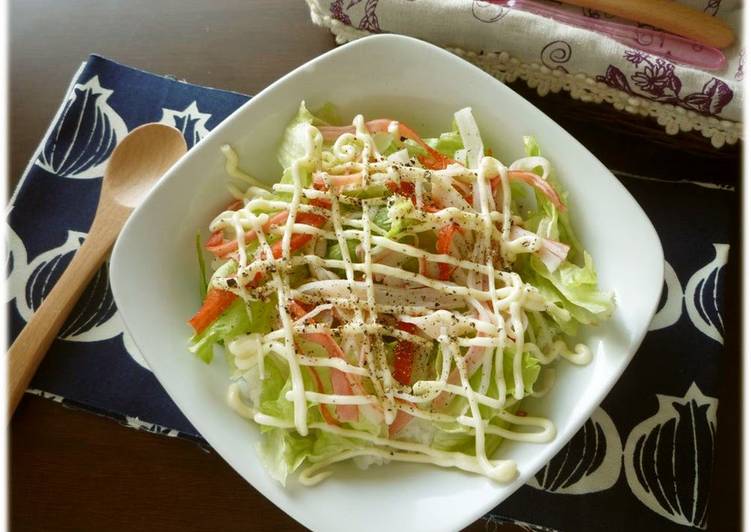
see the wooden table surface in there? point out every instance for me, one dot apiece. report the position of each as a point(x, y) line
point(71, 470)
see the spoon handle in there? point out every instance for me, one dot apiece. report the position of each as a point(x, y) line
point(673, 47)
point(32, 343)
point(669, 16)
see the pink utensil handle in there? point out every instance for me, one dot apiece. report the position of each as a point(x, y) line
point(672, 47)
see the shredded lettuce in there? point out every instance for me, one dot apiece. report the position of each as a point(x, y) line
point(335, 252)
point(571, 288)
point(371, 191)
point(562, 221)
point(262, 315)
point(530, 371)
point(470, 135)
point(570, 292)
point(282, 451)
point(531, 147)
point(578, 285)
point(326, 115)
point(202, 281)
point(394, 218)
point(413, 148)
point(447, 143)
point(238, 319)
point(295, 139)
point(232, 323)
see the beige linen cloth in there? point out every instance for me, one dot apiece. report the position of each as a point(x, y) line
point(550, 56)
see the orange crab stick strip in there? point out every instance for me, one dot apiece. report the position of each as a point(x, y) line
point(218, 247)
point(435, 160)
point(216, 244)
point(216, 302)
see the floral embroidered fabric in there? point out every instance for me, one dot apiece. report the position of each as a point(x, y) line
point(550, 56)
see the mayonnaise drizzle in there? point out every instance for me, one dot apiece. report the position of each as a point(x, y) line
point(498, 301)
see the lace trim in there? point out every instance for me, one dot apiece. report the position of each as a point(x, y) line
point(506, 68)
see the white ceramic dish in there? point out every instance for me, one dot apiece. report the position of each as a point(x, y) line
point(153, 274)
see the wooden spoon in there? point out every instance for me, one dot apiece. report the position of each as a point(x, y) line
point(136, 164)
point(670, 16)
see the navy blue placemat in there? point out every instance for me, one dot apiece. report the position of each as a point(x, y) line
point(646, 453)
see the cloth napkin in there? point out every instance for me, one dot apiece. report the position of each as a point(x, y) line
point(648, 450)
point(550, 56)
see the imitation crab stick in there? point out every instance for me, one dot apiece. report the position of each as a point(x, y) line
point(536, 181)
point(322, 407)
point(337, 181)
point(342, 383)
point(221, 248)
point(216, 302)
point(434, 160)
point(472, 360)
point(443, 246)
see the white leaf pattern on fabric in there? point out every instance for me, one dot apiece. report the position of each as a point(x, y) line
point(701, 296)
point(590, 462)
point(86, 131)
point(139, 424)
point(190, 121)
point(46, 395)
point(671, 311)
point(92, 318)
point(35, 280)
point(496, 523)
point(131, 422)
point(668, 457)
point(15, 261)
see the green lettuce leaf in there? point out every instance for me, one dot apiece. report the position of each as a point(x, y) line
point(282, 451)
point(531, 147)
point(571, 292)
point(327, 444)
point(238, 319)
point(326, 115)
point(376, 190)
point(578, 285)
point(459, 438)
point(294, 139)
point(530, 371)
point(334, 252)
point(202, 279)
point(564, 232)
point(225, 270)
point(276, 384)
point(447, 143)
point(413, 148)
point(234, 322)
point(454, 439)
point(262, 315)
point(395, 218)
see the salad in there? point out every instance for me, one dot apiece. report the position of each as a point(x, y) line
point(393, 297)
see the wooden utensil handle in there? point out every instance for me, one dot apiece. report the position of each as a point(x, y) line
point(670, 16)
point(32, 344)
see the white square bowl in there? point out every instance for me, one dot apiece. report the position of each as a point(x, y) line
point(153, 274)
